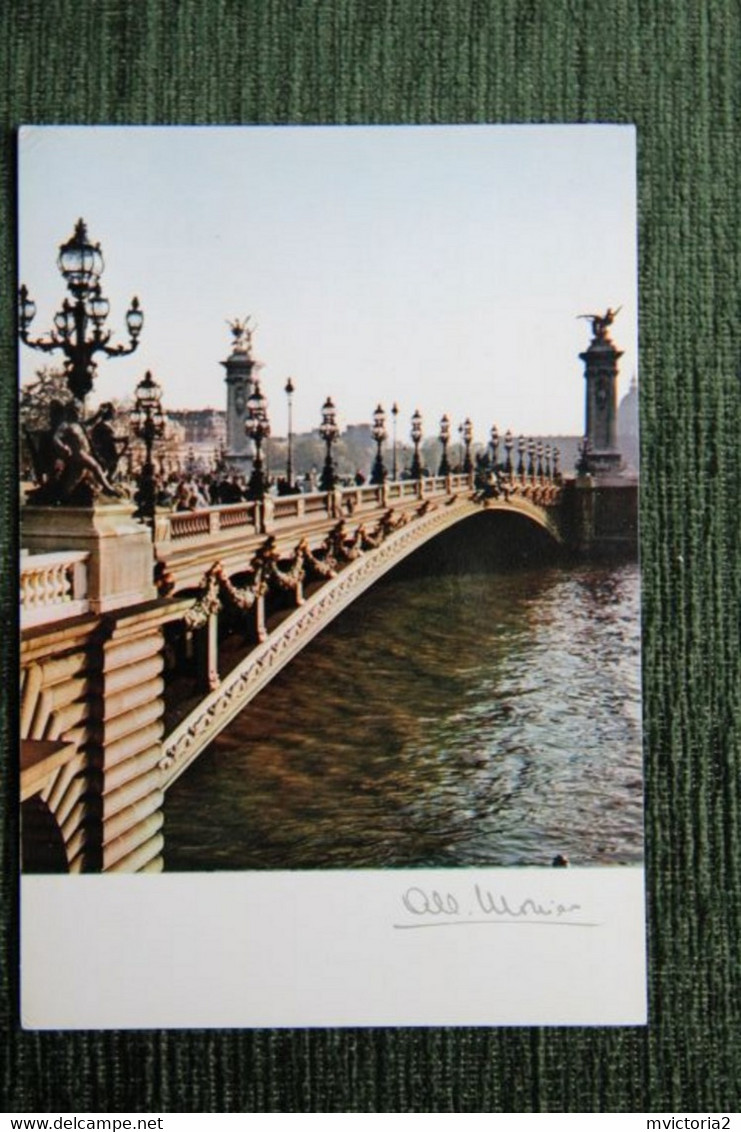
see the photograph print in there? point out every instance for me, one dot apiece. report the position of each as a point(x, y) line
point(329, 486)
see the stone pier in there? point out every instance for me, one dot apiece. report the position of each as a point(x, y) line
point(92, 695)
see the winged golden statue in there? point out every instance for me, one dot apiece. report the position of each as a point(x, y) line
point(242, 331)
point(601, 322)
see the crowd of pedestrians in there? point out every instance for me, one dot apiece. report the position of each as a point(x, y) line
point(191, 492)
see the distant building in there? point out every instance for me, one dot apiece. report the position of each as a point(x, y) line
point(201, 426)
point(568, 450)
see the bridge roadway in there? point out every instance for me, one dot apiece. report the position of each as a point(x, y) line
point(381, 526)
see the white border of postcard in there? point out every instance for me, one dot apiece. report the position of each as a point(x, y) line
point(304, 949)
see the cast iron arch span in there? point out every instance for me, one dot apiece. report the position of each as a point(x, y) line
point(266, 659)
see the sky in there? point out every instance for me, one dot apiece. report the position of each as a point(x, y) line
point(439, 267)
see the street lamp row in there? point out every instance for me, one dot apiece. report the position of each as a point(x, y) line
point(535, 460)
point(79, 333)
point(257, 428)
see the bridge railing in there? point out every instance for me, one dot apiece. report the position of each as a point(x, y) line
point(53, 587)
point(181, 526)
point(222, 523)
point(259, 518)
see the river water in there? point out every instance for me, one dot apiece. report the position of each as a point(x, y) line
point(482, 719)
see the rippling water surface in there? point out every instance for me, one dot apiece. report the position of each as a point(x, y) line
point(468, 720)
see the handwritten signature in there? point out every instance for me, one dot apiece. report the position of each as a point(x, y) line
point(432, 908)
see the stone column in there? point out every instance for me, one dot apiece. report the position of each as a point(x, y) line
point(600, 372)
point(241, 370)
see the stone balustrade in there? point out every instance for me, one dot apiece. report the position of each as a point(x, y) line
point(53, 587)
point(181, 526)
point(174, 527)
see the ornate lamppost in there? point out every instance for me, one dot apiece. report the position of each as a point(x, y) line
point(329, 431)
point(531, 459)
point(148, 422)
point(289, 387)
point(466, 431)
point(416, 435)
point(508, 443)
point(444, 438)
point(494, 445)
point(583, 462)
point(257, 428)
point(521, 444)
point(378, 432)
point(79, 325)
point(395, 467)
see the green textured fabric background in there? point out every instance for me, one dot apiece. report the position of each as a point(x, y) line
point(672, 67)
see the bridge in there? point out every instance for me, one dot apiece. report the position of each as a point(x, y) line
point(107, 621)
point(339, 543)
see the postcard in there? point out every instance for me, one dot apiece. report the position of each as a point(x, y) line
point(330, 689)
